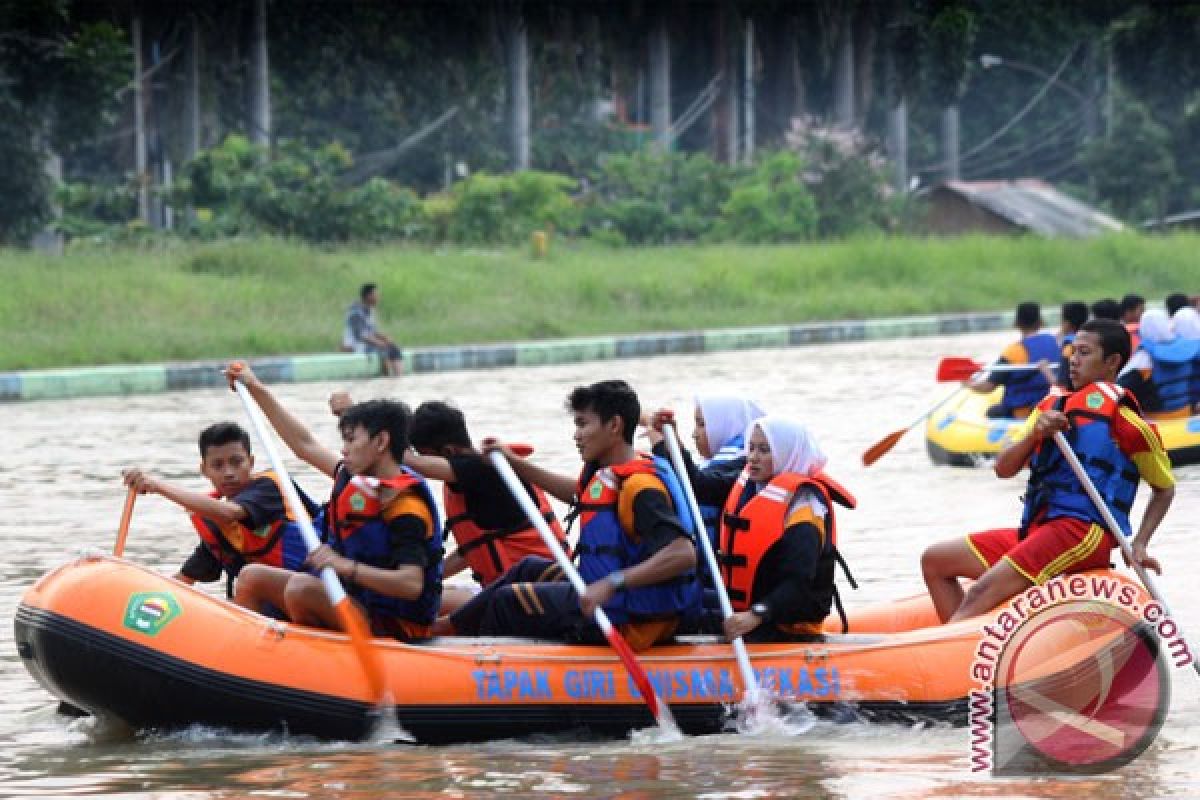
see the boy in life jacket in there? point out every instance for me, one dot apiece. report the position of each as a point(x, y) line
point(1061, 530)
point(1023, 388)
point(1159, 375)
point(242, 520)
point(634, 553)
point(381, 529)
point(779, 536)
point(721, 421)
point(489, 528)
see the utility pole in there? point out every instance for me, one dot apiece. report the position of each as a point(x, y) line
point(950, 143)
point(192, 101)
point(843, 78)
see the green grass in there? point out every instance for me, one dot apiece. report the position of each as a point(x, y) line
point(261, 297)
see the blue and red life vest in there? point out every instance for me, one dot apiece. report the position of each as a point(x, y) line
point(1024, 388)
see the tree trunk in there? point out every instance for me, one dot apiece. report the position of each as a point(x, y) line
point(950, 143)
point(660, 83)
point(865, 38)
point(898, 144)
point(140, 158)
point(799, 104)
point(748, 95)
point(48, 240)
point(843, 75)
point(260, 87)
point(516, 48)
point(191, 138)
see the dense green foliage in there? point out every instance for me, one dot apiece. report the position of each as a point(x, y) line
point(263, 296)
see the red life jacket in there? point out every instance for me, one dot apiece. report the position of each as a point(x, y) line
point(489, 553)
point(236, 545)
point(748, 534)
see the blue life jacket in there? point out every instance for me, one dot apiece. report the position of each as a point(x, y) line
point(1054, 491)
point(731, 451)
point(356, 529)
point(1174, 363)
point(607, 543)
point(1024, 388)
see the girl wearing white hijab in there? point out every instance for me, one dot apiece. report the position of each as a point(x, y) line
point(778, 534)
point(1158, 374)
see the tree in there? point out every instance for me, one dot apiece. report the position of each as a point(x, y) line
point(57, 86)
point(1133, 170)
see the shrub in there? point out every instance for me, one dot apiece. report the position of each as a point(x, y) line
point(772, 204)
point(494, 209)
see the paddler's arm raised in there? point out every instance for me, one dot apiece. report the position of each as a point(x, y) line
point(294, 433)
point(214, 508)
point(1040, 425)
point(561, 486)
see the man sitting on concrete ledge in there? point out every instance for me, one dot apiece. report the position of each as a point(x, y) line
point(361, 336)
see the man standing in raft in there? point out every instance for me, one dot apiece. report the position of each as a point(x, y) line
point(489, 528)
point(1061, 529)
point(1023, 388)
point(381, 528)
point(636, 557)
point(242, 520)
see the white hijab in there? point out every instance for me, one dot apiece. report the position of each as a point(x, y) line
point(726, 416)
point(1155, 326)
point(793, 447)
point(1187, 323)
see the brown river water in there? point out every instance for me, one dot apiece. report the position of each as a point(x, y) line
point(61, 495)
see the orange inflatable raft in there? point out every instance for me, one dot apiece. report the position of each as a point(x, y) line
point(114, 638)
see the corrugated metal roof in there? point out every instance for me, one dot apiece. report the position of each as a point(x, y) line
point(1036, 206)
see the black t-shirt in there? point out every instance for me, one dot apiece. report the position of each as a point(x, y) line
point(263, 504)
point(487, 498)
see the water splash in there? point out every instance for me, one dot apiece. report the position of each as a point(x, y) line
point(761, 713)
point(384, 725)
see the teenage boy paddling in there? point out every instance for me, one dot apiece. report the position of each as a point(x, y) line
point(381, 525)
point(633, 552)
point(1061, 529)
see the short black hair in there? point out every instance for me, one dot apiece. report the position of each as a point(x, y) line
point(222, 433)
point(1106, 309)
point(436, 424)
point(608, 399)
point(1075, 314)
point(376, 416)
point(1176, 301)
point(1029, 315)
point(366, 289)
point(1112, 335)
point(1132, 302)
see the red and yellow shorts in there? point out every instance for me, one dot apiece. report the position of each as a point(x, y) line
point(1053, 547)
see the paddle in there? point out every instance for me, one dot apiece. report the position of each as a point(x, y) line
point(884, 445)
point(958, 368)
point(123, 528)
point(710, 558)
point(1112, 525)
point(662, 714)
point(351, 618)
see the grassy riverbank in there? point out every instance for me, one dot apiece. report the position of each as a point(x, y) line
point(193, 301)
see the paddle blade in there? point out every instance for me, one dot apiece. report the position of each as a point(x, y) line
point(956, 368)
point(662, 715)
point(881, 448)
point(521, 449)
point(355, 624)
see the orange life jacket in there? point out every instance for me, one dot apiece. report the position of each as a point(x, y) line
point(747, 534)
point(489, 553)
point(236, 545)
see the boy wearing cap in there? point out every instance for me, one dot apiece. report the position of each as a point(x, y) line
point(1023, 388)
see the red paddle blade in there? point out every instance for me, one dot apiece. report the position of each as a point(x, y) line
point(521, 449)
point(881, 448)
point(955, 368)
point(355, 624)
point(662, 714)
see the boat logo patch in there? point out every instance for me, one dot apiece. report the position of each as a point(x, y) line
point(1095, 400)
point(150, 612)
point(358, 503)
